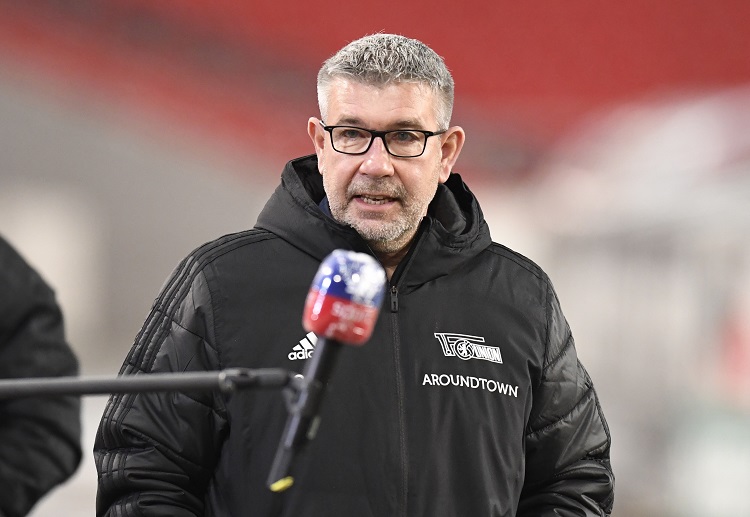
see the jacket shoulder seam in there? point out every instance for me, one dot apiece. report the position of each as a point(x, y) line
point(180, 283)
point(524, 262)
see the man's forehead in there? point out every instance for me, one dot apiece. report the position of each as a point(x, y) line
point(399, 104)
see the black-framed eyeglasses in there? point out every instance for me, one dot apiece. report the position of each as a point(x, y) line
point(402, 143)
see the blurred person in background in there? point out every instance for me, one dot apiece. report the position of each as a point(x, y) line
point(40, 438)
point(469, 398)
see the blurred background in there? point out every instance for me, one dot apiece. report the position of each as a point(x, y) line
point(607, 141)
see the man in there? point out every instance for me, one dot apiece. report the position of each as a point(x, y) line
point(39, 437)
point(467, 400)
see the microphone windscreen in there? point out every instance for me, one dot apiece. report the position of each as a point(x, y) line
point(345, 297)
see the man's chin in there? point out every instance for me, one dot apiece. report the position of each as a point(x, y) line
point(379, 234)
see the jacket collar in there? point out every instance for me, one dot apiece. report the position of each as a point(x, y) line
point(453, 232)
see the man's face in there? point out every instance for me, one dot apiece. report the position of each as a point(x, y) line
point(381, 196)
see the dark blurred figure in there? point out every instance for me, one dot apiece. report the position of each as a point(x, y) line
point(40, 438)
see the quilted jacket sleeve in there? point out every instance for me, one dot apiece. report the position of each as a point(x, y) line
point(568, 472)
point(155, 452)
point(39, 437)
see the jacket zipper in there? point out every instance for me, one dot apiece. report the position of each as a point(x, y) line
point(403, 502)
point(401, 509)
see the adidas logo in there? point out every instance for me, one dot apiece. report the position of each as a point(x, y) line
point(305, 348)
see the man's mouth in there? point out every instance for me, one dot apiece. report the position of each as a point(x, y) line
point(373, 199)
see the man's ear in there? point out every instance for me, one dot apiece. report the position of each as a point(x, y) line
point(452, 143)
point(317, 135)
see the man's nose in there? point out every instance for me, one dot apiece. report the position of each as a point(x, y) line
point(377, 161)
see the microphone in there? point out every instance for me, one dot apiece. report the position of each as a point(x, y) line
point(341, 308)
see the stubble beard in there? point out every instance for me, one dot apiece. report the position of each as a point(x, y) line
point(381, 234)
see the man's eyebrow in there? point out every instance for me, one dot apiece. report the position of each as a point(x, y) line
point(349, 121)
point(400, 124)
point(407, 124)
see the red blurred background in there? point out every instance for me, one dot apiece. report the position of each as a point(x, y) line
point(242, 73)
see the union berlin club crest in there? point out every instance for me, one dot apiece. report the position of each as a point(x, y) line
point(468, 347)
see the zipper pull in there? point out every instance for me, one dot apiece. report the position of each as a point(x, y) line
point(394, 299)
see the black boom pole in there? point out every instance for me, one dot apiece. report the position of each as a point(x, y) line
point(226, 381)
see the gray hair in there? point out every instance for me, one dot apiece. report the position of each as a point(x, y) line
point(381, 59)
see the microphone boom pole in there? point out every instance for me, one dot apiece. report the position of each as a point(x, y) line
point(225, 381)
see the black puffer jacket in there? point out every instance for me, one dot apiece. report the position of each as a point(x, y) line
point(467, 400)
point(39, 437)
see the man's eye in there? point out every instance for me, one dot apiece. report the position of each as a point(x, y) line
point(351, 134)
point(403, 137)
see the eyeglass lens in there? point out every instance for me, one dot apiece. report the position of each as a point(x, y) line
point(354, 140)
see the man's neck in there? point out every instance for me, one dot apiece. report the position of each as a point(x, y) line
point(390, 259)
point(390, 254)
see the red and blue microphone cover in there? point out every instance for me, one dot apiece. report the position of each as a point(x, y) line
point(345, 297)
